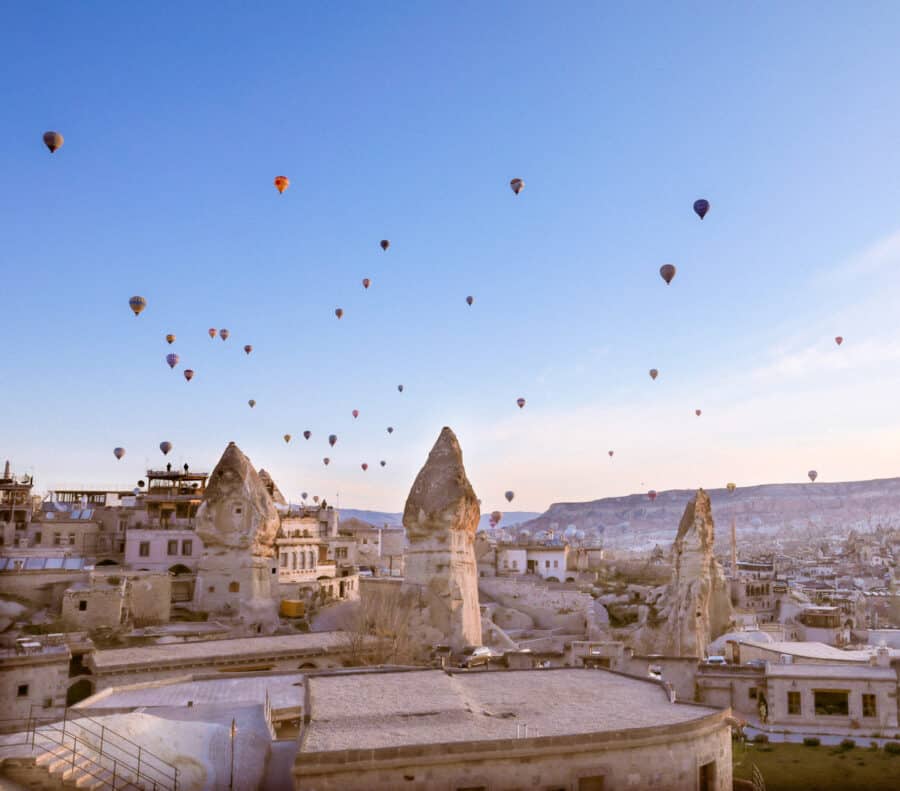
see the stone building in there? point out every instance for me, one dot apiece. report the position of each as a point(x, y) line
point(550, 729)
point(118, 599)
point(33, 680)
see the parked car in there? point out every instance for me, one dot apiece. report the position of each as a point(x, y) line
point(475, 656)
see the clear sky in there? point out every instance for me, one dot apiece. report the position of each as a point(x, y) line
point(406, 122)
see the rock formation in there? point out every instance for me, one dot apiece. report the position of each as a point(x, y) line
point(272, 488)
point(695, 607)
point(237, 522)
point(441, 517)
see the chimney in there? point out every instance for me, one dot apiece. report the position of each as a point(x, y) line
point(6, 469)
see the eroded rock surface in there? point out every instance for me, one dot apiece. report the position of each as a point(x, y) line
point(272, 488)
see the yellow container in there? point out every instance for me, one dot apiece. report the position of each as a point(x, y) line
point(293, 608)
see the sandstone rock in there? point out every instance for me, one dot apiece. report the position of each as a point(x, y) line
point(272, 488)
point(440, 517)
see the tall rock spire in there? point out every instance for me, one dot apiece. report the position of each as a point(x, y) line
point(441, 517)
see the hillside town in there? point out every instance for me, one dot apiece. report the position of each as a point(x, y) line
point(201, 631)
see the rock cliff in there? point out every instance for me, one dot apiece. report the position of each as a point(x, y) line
point(272, 488)
point(441, 517)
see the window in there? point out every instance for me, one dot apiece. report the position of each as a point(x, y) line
point(238, 510)
point(505, 563)
point(172, 548)
point(71, 539)
point(48, 703)
point(211, 589)
point(556, 564)
point(546, 564)
point(870, 708)
point(123, 523)
point(594, 783)
point(284, 560)
point(831, 702)
point(144, 549)
point(187, 547)
point(82, 605)
point(515, 565)
point(57, 539)
point(752, 693)
point(38, 537)
point(793, 702)
point(234, 587)
point(22, 691)
point(708, 776)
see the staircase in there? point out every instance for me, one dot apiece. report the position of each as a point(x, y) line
point(85, 753)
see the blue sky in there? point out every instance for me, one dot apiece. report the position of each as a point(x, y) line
point(407, 122)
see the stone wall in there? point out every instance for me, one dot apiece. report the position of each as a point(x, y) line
point(89, 608)
point(46, 677)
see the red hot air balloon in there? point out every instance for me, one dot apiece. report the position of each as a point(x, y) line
point(118, 452)
point(520, 402)
point(189, 373)
point(701, 206)
point(667, 272)
point(326, 461)
point(366, 282)
point(653, 373)
point(470, 300)
point(281, 184)
point(307, 434)
point(611, 453)
point(223, 334)
point(165, 447)
point(339, 312)
point(172, 360)
point(652, 495)
point(53, 141)
point(248, 348)
point(839, 339)
point(212, 332)
point(355, 413)
point(698, 412)
point(137, 305)
point(517, 185)
point(364, 466)
point(332, 439)
point(385, 243)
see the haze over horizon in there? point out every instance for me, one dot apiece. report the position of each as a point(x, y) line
point(408, 124)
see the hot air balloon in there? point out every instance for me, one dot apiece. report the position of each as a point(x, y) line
point(520, 402)
point(212, 332)
point(731, 486)
point(137, 304)
point(307, 434)
point(509, 496)
point(303, 495)
point(570, 532)
point(611, 452)
point(252, 403)
point(287, 438)
point(248, 348)
point(172, 360)
point(338, 312)
point(223, 334)
point(189, 373)
point(326, 461)
point(839, 339)
point(813, 475)
point(496, 516)
point(653, 373)
point(399, 388)
point(366, 282)
point(281, 184)
point(390, 429)
point(652, 495)
point(170, 339)
point(315, 498)
point(165, 447)
point(517, 185)
point(355, 413)
point(701, 206)
point(698, 412)
point(383, 463)
point(118, 452)
point(364, 466)
point(385, 243)
point(667, 272)
point(53, 141)
point(332, 438)
point(470, 300)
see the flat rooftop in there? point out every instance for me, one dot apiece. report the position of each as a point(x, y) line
point(362, 711)
point(252, 648)
point(843, 672)
point(812, 650)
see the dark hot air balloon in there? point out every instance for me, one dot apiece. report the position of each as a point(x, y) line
point(390, 429)
point(813, 475)
point(470, 300)
point(315, 498)
point(667, 272)
point(517, 185)
point(509, 496)
point(287, 438)
point(303, 495)
point(281, 184)
point(385, 243)
point(172, 360)
point(698, 412)
point(170, 339)
point(364, 466)
point(165, 447)
point(118, 452)
point(137, 304)
point(611, 452)
point(248, 348)
point(326, 461)
point(355, 413)
point(252, 403)
point(652, 495)
point(366, 282)
point(212, 332)
point(701, 206)
point(307, 434)
point(520, 402)
point(653, 373)
point(189, 373)
point(223, 334)
point(332, 438)
point(383, 463)
point(839, 339)
point(338, 312)
point(53, 141)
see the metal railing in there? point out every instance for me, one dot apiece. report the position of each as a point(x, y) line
point(117, 761)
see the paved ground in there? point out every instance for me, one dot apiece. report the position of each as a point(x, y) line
point(331, 618)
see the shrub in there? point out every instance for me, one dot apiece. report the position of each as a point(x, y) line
point(811, 741)
point(892, 748)
point(848, 744)
point(761, 738)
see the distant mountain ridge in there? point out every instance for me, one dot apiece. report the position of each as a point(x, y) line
point(381, 518)
point(777, 509)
